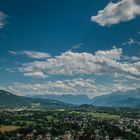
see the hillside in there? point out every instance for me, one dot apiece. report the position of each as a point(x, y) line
point(8, 99)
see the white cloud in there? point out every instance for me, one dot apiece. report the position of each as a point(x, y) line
point(114, 13)
point(77, 46)
point(131, 58)
point(111, 63)
point(111, 54)
point(124, 86)
point(75, 86)
point(3, 17)
point(32, 54)
point(134, 58)
point(13, 52)
point(101, 63)
point(35, 74)
point(130, 42)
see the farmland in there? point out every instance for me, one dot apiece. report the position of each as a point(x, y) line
point(8, 128)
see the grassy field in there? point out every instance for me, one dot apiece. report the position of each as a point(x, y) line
point(6, 128)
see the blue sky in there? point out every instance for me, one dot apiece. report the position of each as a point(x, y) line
point(67, 46)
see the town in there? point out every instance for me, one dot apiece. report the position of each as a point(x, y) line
point(69, 124)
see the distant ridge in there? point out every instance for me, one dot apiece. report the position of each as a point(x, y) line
point(8, 99)
point(119, 99)
point(67, 98)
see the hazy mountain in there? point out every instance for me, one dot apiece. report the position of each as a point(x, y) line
point(9, 99)
point(118, 99)
point(67, 98)
point(124, 99)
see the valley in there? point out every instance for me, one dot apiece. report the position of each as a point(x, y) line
point(69, 124)
point(36, 118)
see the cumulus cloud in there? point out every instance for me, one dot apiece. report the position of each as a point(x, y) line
point(114, 13)
point(75, 86)
point(80, 69)
point(111, 54)
point(71, 63)
point(124, 86)
point(32, 54)
point(3, 17)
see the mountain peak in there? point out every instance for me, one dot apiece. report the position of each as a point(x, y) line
point(118, 99)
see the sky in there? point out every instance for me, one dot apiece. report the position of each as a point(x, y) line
point(88, 47)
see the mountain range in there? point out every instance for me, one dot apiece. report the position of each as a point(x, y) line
point(8, 99)
point(129, 98)
point(117, 99)
point(66, 98)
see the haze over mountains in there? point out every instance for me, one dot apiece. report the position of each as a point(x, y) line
point(8, 99)
point(67, 98)
point(117, 99)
